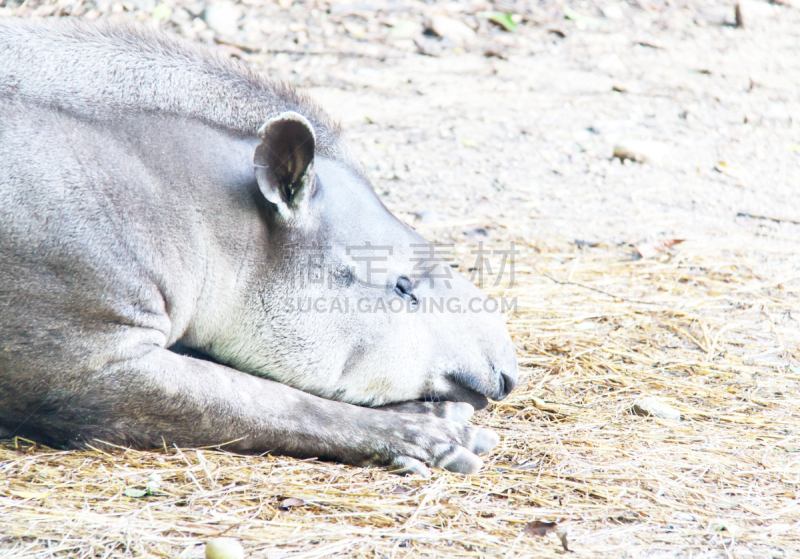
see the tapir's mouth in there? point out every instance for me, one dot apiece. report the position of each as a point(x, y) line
point(458, 392)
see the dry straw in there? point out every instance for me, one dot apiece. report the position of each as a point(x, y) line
point(710, 332)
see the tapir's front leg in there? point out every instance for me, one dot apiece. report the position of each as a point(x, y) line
point(162, 397)
point(454, 411)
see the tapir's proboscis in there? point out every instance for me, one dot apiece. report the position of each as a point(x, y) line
point(159, 204)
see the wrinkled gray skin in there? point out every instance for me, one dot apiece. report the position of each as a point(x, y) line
point(152, 194)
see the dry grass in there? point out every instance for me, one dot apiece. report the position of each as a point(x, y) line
point(709, 331)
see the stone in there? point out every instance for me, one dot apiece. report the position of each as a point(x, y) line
point(224, 548)
point(161, 12)
point(403, 30)
point(459, 33)
point(426, 216)
point(752, 13)
point(223, 17)
point(427, 46)
point(641, 151)
point(654, 407)
point(612, 12)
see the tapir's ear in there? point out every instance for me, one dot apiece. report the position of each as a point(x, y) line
point(284, 158)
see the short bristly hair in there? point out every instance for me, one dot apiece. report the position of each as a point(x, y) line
point(96, 70)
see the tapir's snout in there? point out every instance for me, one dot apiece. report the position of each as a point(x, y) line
point(505, 371)
point(508, 382)
point(473, 358)
point(495, 379)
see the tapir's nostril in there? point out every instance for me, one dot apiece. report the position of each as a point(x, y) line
point(508, 384)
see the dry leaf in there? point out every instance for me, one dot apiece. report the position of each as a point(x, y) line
point(401, 490)
point(562, 536)
point(654, 248)
point(539, 528)
point(30, 494)
point(551, 407)
point(495, 52)
point(135, 493)
point(286, 504)
point(727, 169)
point(230, 51)
point(652, 406)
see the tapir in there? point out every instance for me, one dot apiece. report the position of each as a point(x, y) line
point(165, 215)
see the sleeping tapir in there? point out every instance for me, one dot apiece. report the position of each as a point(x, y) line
point(153, 197)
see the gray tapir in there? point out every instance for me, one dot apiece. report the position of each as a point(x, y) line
point(153, 194)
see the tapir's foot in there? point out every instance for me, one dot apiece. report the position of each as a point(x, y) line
point(454, 411)
point(434, 434)
point(442, 444)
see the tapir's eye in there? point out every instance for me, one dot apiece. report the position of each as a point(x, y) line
point(404, 287)
point(343, 275)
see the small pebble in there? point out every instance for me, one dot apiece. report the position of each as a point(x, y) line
point(641, 151)
point(612, 12)
point(224, 548)
point(724, 525)
point(752, 13)
point(223, 17)
point(459, 33)
point(403, 30)
point(427, 216)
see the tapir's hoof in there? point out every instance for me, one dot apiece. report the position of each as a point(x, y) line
point(407, 466)
point(460, 460)
point(484, 441)
point(433, 442)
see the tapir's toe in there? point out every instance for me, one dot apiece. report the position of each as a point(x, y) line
point(484, 441)
point(459, 460)
point(407, 466)
point(443, 442)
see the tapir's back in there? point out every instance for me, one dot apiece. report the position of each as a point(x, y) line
point(96, 71)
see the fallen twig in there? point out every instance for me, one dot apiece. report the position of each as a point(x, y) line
point(768, 218)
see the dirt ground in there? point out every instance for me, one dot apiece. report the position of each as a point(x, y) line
point(486, 135)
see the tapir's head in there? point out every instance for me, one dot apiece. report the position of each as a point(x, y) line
point(351, 303)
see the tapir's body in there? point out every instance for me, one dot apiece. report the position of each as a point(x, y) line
point(148, 194)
